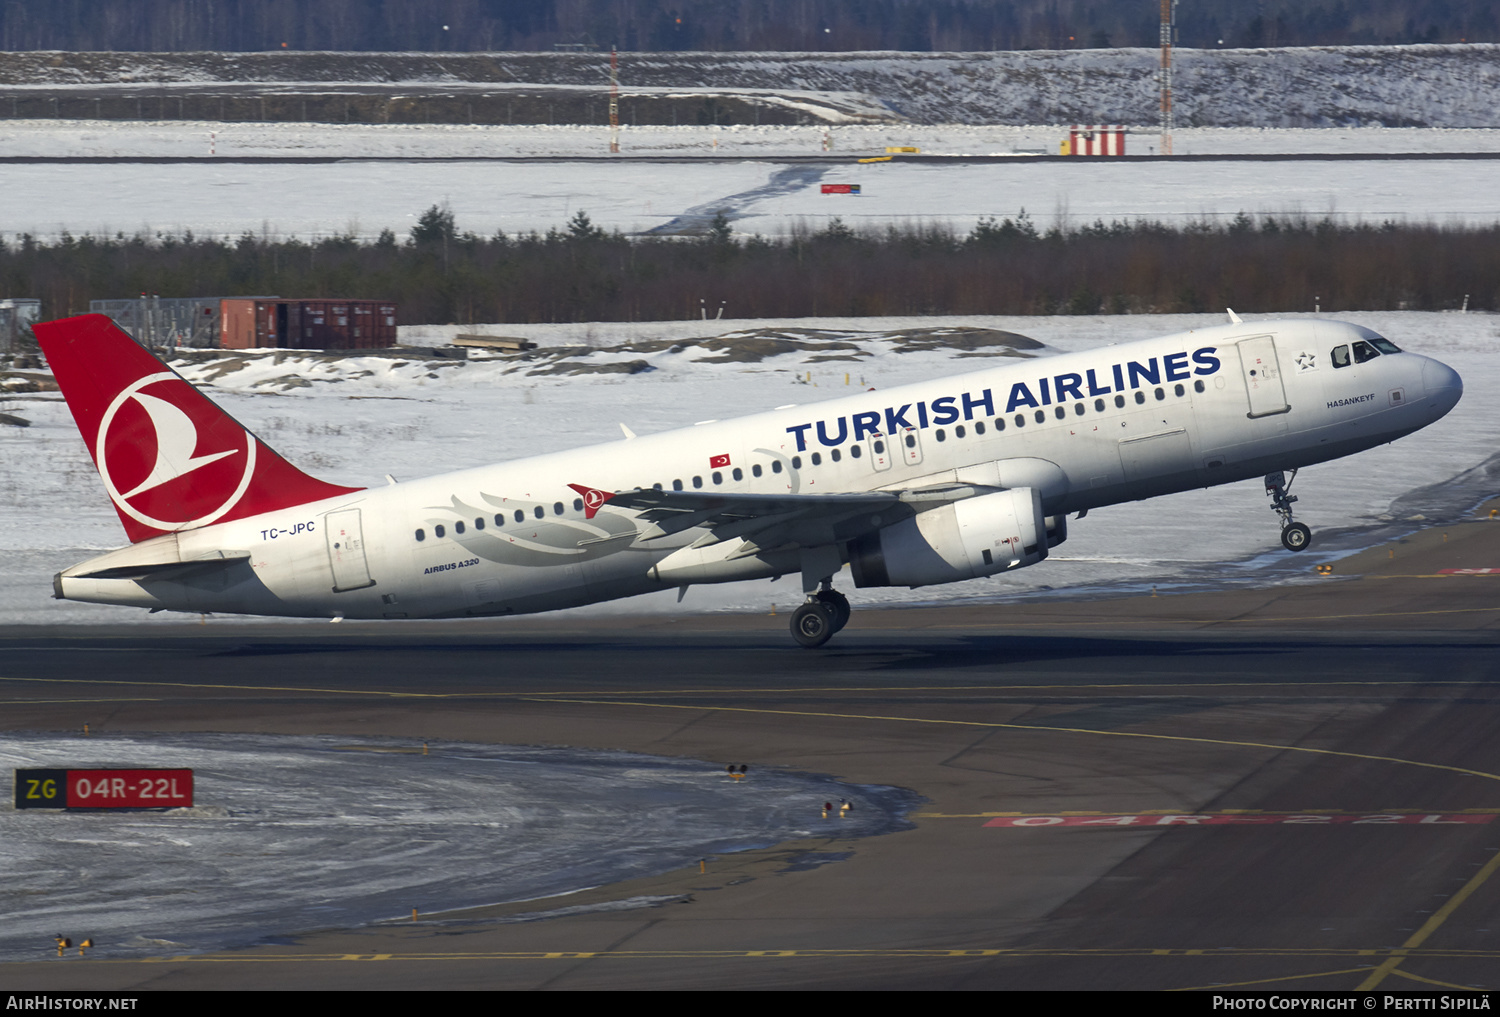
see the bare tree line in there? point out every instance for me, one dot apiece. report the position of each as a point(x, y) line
point(581, 273)
point(723, 25)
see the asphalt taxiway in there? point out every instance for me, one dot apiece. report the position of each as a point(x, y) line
point(1286, 788)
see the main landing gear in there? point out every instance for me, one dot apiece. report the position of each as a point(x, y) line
point(1294, 536)
point(824, 613)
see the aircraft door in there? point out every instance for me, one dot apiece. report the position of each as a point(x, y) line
point(346, 551)
point(880, 452)
point(910, 446)
point(1262, 375)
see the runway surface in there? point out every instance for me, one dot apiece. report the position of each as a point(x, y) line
point(1293, 788)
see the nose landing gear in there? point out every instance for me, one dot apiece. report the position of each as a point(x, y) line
point(1294, 536)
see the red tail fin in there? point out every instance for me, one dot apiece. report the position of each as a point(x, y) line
point(170, 459)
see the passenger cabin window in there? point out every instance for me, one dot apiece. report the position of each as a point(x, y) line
point(458, 527)
point(421, 536)
point(539, 512)
point(1364, 351)
point(438, 531)
point(755, 470)
point(520, 516)
point(677, 485)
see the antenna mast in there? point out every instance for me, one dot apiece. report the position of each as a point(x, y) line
point(614, 102)
point(1168, 8)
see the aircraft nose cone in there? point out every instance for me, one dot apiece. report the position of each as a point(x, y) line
point(1444, 386)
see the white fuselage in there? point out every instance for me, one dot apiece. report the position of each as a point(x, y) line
point(1087, 429)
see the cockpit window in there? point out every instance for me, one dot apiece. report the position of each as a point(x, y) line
point(1384, 345)
point(1341, 356)
point(1364, 351)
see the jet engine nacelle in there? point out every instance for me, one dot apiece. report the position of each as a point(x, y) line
point(961, 540)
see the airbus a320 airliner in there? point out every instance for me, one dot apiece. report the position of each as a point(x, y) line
point(955, 479)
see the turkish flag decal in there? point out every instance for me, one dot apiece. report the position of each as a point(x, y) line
point(593, 499)
point(718, 462)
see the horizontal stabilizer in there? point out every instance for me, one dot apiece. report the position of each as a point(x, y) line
point(164, 569)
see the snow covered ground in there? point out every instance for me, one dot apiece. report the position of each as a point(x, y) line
point(359, 197)
point(291, 834)
point(353, 420)
point(191, 140)
point(1428, 85)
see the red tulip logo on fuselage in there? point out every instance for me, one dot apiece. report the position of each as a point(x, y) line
point(169, 458)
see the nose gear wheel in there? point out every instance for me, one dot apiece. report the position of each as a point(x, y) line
point(1294, 536)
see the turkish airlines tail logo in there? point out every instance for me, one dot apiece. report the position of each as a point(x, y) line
point(170, 459)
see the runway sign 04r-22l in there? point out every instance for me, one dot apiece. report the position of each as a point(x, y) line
point(104, 789)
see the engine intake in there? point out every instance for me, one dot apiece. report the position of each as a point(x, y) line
point(961, 540)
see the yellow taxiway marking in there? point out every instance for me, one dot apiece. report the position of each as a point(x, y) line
point(1433, 981)
point(756, 690)
point(1125, 622)
point(1430, 926)
point(1268, 981)
point(1037, 727)
point(1209, 953)
point(53, 702)
point(235, 688)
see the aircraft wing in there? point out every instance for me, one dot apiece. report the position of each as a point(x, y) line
point(770, 521)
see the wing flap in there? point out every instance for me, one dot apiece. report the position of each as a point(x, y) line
point(775, 521)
